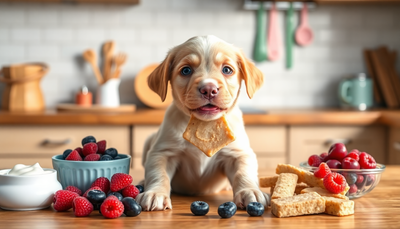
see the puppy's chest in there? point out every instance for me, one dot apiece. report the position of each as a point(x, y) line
point(192, 159)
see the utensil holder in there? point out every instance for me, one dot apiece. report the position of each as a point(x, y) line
point(108, 93)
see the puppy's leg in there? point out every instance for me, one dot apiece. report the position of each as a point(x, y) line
point(159, 170)
point(241, 171)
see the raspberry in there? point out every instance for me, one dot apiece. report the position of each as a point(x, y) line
point(324, 156)
point(73, 189)
point(90, 189)
point(353, 188)
point(314, 160)
point(89, 148)
point(101, 145)
point(74, 156)
point(112, 208)
point(63, 200)
point(355, 151)
point(82, 206)
point(92, 157)
point(322, 170)
point(130, 191)
point(80, 151)
point(103, 183)
point(353, 154)
point(367, 161)
point(120, 181)
point(335, 182)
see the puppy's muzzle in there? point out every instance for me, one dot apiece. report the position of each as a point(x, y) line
point(209, 91)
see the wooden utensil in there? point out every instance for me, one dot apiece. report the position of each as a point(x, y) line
point(304, 34)
point(91, 57)
point(118, 60)
point(371, 72)
point(389, 63)
point(260, 44)
point(108, 50)
point(273, 35)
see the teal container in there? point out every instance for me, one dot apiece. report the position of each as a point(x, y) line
point(356, 92)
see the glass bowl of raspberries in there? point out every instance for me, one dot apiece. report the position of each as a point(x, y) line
point(359, 169)
point(83, 165)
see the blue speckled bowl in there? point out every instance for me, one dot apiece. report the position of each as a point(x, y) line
point(81, 174)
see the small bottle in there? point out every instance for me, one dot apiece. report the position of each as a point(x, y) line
point(84, 97)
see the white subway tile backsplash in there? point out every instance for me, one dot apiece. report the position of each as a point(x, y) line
point(25, 34)
point(41, 16)
point(122, 35)
point(9, 51)
point(199, 18)
point(154, 35)
point(10, 16)
point(58, 35)
point(90, 34)
point(4, 34)
point(42, 52)
point(168, 18)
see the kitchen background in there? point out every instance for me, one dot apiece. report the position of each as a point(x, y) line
point(59, 33)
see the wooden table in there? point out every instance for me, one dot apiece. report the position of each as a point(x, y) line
point(378, 209)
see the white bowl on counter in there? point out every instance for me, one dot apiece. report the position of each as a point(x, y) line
point(29, 192)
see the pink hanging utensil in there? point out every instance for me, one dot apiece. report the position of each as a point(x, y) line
point(304, 35)
point(274, 38)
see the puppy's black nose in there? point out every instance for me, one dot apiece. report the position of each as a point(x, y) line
point(209, 91)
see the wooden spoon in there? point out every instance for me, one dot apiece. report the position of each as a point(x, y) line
point(304, 34)
point(108, 49)
point(90, 56)
point(119, 60)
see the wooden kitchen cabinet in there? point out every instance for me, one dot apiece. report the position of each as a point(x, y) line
point(394, 146)
point(308, 140)
point(139, 135)
point(77, 1)
point(31, 144)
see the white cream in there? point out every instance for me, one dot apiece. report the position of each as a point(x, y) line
point(24, 170)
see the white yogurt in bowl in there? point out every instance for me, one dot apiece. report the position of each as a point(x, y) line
point(27, 187)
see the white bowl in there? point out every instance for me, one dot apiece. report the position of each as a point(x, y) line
point(30, 192)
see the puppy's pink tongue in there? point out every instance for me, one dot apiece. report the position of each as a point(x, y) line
point(208, 108)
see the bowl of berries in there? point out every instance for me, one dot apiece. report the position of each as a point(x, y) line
point(83, 165)
point(359, 169)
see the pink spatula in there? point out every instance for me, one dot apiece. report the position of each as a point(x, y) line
point(304, 35)
point(273, 35)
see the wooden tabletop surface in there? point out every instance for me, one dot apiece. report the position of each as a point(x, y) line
point(378, 209)
point(155, 117)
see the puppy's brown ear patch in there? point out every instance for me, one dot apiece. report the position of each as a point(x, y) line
point(209, 136)
point(252, 76)
point(158, 79)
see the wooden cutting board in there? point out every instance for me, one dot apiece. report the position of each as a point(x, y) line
point(145, 94)
point(71, 107)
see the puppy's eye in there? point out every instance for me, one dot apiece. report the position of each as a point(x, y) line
point(185, 71)
point(227, 70)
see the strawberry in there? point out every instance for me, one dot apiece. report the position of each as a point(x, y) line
point(63, 200)
point(322, 170)
point(92, 157)
point(89, 148)
point(367, 161)
point(103, 183)
point(82, 206)
point(314, 160)
point(120, 181)
point(112, 208)
point(74, 189)
point(74, 156)
point(80, 151)
point(90, 189)
point(335, 182)
point(101, 145)
point(130, 191)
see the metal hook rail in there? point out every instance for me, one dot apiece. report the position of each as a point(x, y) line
point(254, 5)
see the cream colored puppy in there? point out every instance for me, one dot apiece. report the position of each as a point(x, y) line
point(205, 75)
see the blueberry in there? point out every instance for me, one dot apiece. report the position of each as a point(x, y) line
point(117, 157)
point(199, 208)
point(96, 197)
point(105, 158)
point(351, 178)
point(370, 178)
point(131, 208)
point(66, 153)
point(140, 187)
point(88, 139)
point(112, 152)
point(255, 209)
point(117, 194)
point(227, 210)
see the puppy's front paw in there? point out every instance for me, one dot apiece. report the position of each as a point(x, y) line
point(245, 196)
point(153, 201)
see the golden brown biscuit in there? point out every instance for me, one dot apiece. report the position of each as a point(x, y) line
point(285, 185)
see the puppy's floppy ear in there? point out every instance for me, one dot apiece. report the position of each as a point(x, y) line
point(158, 79)
point(252, 76)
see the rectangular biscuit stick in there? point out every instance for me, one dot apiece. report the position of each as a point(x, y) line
point(324, 192)
point(297, 190)
point(285, 185)
point(338, 207)
point(266, 182)
point(303, 204)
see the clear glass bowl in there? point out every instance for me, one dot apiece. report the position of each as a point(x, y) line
point(371, 178)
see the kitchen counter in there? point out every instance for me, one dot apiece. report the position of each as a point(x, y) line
point(378, 209)
point(151, 116)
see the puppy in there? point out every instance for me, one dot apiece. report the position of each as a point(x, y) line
point(205, 75)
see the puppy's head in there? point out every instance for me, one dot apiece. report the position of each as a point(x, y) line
point(205, 75)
